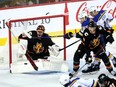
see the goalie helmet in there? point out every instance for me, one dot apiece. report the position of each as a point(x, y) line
point(102, 78)
point(64, 79)
point(41, 27)
point(82, 14)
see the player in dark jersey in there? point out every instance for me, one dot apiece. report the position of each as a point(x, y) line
point(91, 39)
point(106, 81)
point(38, 44)
point(103, 19)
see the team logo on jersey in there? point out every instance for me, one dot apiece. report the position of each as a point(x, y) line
point(38, 48)
point(94, 43)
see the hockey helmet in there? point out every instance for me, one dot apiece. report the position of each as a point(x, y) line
point(82, 14)
point(102, 78)
point(64, 79)
point(92, 9)
point(92, 24)
point(41, 27)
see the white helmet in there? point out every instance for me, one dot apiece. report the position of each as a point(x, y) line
point(82, 14)
point(64, 79)
point(92, 8)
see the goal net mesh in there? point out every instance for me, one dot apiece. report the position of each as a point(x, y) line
point(54, 26)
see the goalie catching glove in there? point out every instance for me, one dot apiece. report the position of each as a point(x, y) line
point(68, 35)
point(54, 50)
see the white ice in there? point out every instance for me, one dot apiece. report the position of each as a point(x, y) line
point(47, 78)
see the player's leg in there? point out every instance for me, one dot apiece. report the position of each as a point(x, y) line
point(105, 39)
point(107, 63)
point(76, 59)
point(113, 58)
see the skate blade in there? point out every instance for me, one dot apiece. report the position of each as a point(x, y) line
point(93, 72)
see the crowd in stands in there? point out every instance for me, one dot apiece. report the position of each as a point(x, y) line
point(12, 3)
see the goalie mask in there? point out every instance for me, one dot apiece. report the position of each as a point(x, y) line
point(64, 79)
point(40, 30)
point(41, 27)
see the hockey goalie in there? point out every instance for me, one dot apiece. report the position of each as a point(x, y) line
point(41, 52)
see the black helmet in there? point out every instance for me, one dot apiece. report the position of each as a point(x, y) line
point(41, 27)
point(92, 24)
point(102, 77)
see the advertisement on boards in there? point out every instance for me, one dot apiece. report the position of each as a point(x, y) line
point(72, 9)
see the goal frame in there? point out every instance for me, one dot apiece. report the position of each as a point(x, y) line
point(9, 24)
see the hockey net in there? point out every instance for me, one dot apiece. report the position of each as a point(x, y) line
point(54, 26)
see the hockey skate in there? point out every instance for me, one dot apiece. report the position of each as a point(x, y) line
point(92, 69)
point(113, 73)
point(73, 74)
point(114, 61)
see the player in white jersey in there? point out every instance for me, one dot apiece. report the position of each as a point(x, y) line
point(84, 20)
point(77, 82)
point(103, 19)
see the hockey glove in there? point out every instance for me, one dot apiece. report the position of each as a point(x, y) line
point(110, 30)
point(88, 59)
point(110, 39)
point(54, 50)
point(68, 35)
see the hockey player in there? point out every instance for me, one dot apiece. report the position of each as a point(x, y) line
point(106, 81)
point(103, 19)
point(84, 20)
point(91, 38)
point(38, 45)
point(77, 82)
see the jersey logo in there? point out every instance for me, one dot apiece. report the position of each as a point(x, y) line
point(94, 43)
point(38, 48)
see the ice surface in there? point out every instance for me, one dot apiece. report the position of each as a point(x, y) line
point(47, 78)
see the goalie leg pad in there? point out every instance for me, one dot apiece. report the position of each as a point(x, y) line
point(56, 64)
point(22, 47)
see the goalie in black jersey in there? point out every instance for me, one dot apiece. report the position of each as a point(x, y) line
point(91, 39)
point(36, 43)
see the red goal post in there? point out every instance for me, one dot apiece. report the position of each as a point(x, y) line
point(16, 26)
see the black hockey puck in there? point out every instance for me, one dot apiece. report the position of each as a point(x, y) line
point(25, 63)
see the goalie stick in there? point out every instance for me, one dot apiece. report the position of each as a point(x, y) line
point(27, 55)
point(31, 61)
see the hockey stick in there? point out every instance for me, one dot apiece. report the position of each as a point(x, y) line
point(56, 36)
point(27, 55)
point(74, 74)
point(69, 45)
